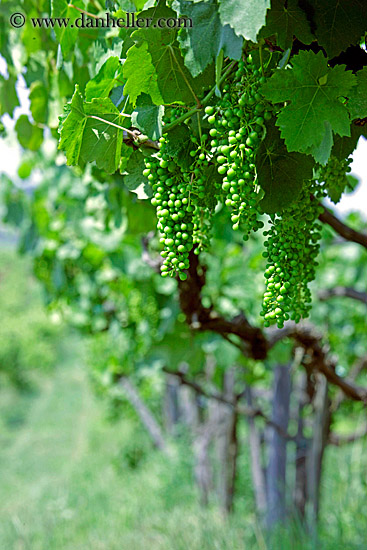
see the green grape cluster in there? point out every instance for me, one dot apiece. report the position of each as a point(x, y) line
point(292, 247)
point(238, 127)
point(184, 204)
point(207, 190)
point(334, 177)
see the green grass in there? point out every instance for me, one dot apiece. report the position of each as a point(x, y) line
point(66, 483)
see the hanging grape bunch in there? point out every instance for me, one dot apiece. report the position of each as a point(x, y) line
point(238, 120)
point(292, 246)
point(184, 199)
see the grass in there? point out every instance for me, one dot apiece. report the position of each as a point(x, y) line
point(67, 481)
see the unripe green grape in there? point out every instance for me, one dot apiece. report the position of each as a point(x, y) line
point(334, 177)
point(292, 246)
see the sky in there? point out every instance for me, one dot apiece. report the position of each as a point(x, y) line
point(11, 153)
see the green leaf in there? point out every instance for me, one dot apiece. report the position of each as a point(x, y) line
point(32, 36)
point(321, 153)
point(25, 169)
point(36, 69)
point(4, 36)
point(144, 80)
point(147, 117)
point(336, 191)
point(280, 174)
point(357, 103)
point(87, 139)
point(179, 145)
point(72, 128)
point(344, 146)
point(202, 43)
point(29, 135)
point(162, 73)
point(286, 20)
point(101, 141)
point(8, 95)
point(117, 96)
point(302, 121)
point(66, 34)
point(39, 102)
point(109, 76)
point(246, 18)
point(133, 177)
point(338, 24)
point(102, 51)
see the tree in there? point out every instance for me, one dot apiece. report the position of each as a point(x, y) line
point(250, 131)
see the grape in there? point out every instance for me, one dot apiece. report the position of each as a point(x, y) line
point(238, 121)
point(185, 199)
point(334, 177)
point(292, 246)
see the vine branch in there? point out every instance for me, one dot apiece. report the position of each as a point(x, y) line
point(342, 229)
point(343, 291)
point(251, 412)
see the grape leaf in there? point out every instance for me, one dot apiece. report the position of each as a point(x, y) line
point(32, 38)
point(179, 145)
point(39, 102)
point(144, 80)
point(101, 141)
point(335, 191)
point(8, 95)
point(101, 52)
point(36, 69)
point(321, 153)
point(109, 76)
point(312, 101)
point(4, 37)
point(357, 103)
point(72, 125)
point(338, 24)
point(147, 117)
point(344, 146)
point(133, 176)
point(245, 18)
point(86, 139)
point(174, 81)
point(286, 19)
point(66, 35)
point(202, 43)
point(117, 95)
point(280, 173)
point(29, 135)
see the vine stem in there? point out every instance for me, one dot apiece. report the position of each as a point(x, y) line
point(194, 110)
point(261, 56)
point(199, 125)
point(93, 15)
point(112, 124)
